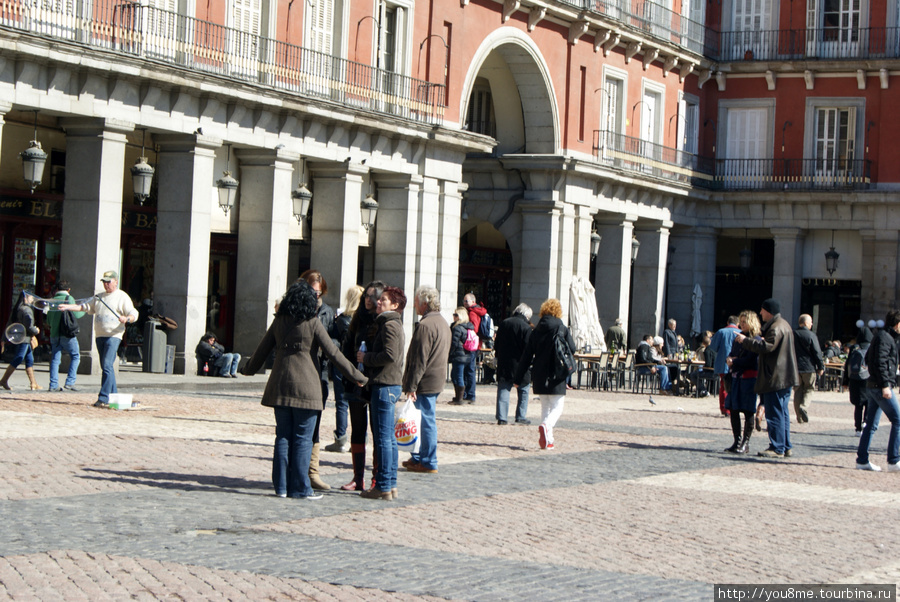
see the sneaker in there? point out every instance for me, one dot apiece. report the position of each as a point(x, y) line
point(523, 421)
point(101, 404)
point(55, 389)
point(315, 496)
point(542, 436)
point(281, 494)
point(549, 446)
point(70, 388)
point(770, 453)
point(893, 467)
point(872, 467)
point(470, 401)
point(788, 453)
point(502, 422)
point(858, 432)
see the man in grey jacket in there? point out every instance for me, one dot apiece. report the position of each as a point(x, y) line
point(809, 365)
point(777, 375)
point(425, 373)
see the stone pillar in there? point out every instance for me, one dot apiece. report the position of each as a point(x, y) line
point(612, 270)
point(263, 222)
point(92, 213)
point(5, 107)
point(448, 196)
point(337, 192)
point(880, 252)
point(181, 272)
point(539, 271)
point(787, 271)
point(649, 279)
point(693, 262)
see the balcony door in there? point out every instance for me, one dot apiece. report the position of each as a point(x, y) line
point(835, 145)
point(319, 39)
point(833, 28)
point(160, 21)
point(244, 35)
point(746, 156)
point(651, 132)
point(612, 139)
point(752, 24)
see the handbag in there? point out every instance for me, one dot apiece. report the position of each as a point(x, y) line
point(407, 426)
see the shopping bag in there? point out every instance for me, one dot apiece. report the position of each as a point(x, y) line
point(407, 427)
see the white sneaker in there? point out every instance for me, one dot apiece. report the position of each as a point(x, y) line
point(873, 467)
point(893, 467)
point(319, 496)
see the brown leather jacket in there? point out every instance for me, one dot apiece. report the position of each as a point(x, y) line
point(777, 358)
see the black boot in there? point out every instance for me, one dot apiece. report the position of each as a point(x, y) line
point(748, 430)
point(736, 431)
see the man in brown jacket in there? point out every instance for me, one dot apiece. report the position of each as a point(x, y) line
point(777, 375)
point(426, 372)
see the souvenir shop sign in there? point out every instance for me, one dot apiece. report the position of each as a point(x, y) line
point(28, 207)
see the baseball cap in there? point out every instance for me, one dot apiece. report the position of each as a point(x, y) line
point(109, 275)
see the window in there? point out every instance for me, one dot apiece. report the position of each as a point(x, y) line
point(319, 38)
point(612, 116)
point(650, 125)
point(752, 25)
point(746, 133)
point(833, 126)
point(834, 27)
point(480, 117)
point(246, 17)
point(688, 127)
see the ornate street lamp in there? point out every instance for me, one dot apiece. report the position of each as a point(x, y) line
point(301, 198)
point(142, 175)
point(227, 186)
point(33, 160)
point(746, 254)
point(367, 209)
point(595, 243)
point(635, 246)
point(831, 257)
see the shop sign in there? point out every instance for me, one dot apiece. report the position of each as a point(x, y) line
point(27, 207)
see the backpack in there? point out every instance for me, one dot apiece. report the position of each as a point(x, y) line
point(563, 360)
point(68, 325)
point(471, 343)
point(486, 328)
point(856, 365)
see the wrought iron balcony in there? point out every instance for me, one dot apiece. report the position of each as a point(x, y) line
point(801, 44)
point(650, 159)
point(175, 39)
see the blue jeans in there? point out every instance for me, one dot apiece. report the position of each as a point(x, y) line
point(663, 372)
point(778, 419)
point(503, 389)
point(57, 346)
point(458, 373)
point(470, 376)
point(23, 352)
point(107, 348)
point(341, 405)
point(293, 450)
point(427, 455)
point(227, 363)
point(382, 408)
point(876, 405)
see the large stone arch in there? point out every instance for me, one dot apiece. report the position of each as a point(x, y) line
point(533, 87)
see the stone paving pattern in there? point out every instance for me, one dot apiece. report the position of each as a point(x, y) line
point(174, 501)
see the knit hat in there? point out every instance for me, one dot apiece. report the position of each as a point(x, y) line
point(772, 305)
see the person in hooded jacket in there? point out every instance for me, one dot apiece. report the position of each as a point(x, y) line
point(512, 337)
point(539, 356)
point(857, 373)
point(881, 361)
point(294, 390)
point(459, 357)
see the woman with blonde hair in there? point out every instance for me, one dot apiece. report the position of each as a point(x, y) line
point(459, 356)
point(742, 398)
point(540, 356)
point(341, 406)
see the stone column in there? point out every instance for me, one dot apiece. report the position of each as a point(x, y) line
point(5, 107)
point(92, 213)
point(693, 262)
point(539, 270)
point(787, 271)
point(612, 269)
point(649, 279)
point(448, 196)
point(263, 222)
point(880, 252)
point(337, 192)
point(181, 273)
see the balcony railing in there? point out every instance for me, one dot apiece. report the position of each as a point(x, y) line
point(648, 158)
point(801, 44)
point(175, 39)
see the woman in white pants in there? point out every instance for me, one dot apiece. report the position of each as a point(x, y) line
point(540, 356)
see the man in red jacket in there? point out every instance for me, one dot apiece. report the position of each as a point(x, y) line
point(476, 312)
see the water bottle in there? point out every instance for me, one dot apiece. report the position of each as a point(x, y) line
point(362, 348)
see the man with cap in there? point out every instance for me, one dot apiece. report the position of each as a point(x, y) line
point(777, 375)
point(112, 310)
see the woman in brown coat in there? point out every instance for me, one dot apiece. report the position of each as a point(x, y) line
point(294, 389)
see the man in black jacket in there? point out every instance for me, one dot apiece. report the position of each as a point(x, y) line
point(881, 359)
point(511, 339)
point(809, 365)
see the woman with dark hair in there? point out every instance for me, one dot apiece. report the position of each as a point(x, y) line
point(742, 399)
point(325, 313)
point(23, 313)
point(384, 363)
point(360, 331)
point(293, 388)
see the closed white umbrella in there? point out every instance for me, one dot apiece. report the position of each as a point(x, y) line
point(584, 321)
point(696, 302)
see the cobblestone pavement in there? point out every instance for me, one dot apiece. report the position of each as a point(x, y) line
point(174, 501)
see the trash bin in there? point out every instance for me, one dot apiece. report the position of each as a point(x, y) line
point(154, 347)
point(170, 359)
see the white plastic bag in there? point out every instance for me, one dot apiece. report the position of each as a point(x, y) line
point(407, 426)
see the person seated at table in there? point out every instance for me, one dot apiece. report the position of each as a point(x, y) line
point(670, 362)
point(707, 355)
point(649, 360)
point(832, 351)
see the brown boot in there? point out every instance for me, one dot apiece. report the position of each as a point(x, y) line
point(458, 397)
point(34, 385)
point(358, 454)
point(6, 375)
point(314, 480)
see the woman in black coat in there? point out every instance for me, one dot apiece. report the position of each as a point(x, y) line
point(540, 356)
point(23, 314)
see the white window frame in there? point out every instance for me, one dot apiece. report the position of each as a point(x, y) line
point(687, 133)
point(737, 174)
point(813, 105)
point(750, 39)
point(655, 137)
point(815, 16)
